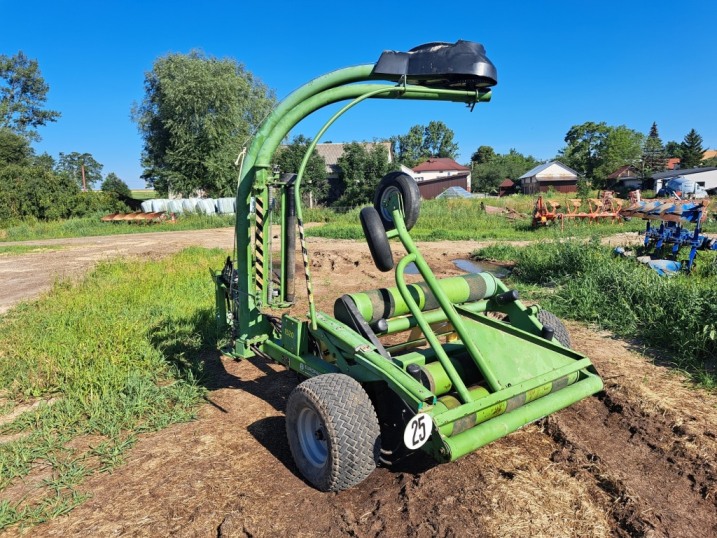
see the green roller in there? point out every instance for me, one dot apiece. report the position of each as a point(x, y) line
point(386, 303)
point(448, 402)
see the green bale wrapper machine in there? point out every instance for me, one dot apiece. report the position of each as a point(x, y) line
point(417, 366)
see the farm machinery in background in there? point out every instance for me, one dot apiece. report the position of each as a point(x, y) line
point(396, 369)
point(605, 207)
point(667, 231)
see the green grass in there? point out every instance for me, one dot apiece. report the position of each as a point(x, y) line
point(439, 220)
point(91, 226)
point(464, 220)
point(119, 354)
point(23, 249)
point(677, 314)
point(143, 194)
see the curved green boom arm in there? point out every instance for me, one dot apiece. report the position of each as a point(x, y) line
point(251, 325)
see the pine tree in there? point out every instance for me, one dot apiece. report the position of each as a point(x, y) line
point(692, 150)
point(654, 157)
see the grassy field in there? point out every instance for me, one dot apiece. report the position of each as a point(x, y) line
point(464, 220)
point(143, 194)
point(91, 226)
point(586, 282)
point(439, 220)
point(118, 354)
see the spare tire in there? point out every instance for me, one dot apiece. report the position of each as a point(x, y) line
point(376, 239)
point(406, 187)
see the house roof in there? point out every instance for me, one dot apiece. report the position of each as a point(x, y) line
point(680, 172)
point(709, 154)
point(543, 167)
point(455, 192)
point(506, 183)
point(332, 152)
point(621, 171)
point(439, 164)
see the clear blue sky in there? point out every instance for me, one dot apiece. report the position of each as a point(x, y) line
point(559, 64)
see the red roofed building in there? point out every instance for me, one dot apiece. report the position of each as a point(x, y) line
point(440, 173)
point(506, 187)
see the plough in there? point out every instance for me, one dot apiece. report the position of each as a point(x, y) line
point(395, 369)
point(606, 206)
point(138, 216)
point(673, 216)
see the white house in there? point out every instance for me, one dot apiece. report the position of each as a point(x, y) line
point(554, 174)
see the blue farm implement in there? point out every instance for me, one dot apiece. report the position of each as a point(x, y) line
point(673, 232)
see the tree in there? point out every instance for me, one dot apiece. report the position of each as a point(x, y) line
point(422, 142)
point(360, 172)
point(488, 174)
point(621, 146)
point(408, 148)
point(654, 157)
point(483, 155)
point(72, 164)
point(438, 140)
point(595, 150)
point(673, 149)
point(197, 113)
point(14, 148)
point(288, 158)
point(691, 150)
point(113, 183)
point(582, 152)
point(23, 92)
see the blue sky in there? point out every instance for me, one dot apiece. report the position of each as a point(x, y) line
point(559, 64)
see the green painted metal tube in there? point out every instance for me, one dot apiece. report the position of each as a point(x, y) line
point(403, 323)
point(387, 303)
point(466, 442)
point(446, 305)
point(448, 402)
point(437, 380)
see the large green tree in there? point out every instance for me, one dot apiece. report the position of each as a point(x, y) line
point(422, 142)
point(595, 150)
point(654, 157)
point(72, 165)
point(584, 143)
point(314, 183)
point(197, 113)
point(673, 149)
point(113, 183)
point(621, 146)
point(360, 171)
point(14, 148)
point(488, 171)
point(691, 150)
point(23, 93)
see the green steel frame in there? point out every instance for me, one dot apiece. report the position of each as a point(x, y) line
point(523, 374)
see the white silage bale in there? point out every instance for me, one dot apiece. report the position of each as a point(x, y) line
point(159, 204)
point(146, 206)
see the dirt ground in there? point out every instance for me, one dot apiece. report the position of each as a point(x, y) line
point(635, 460)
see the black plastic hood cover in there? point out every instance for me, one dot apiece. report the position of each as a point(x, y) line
point(460, 65)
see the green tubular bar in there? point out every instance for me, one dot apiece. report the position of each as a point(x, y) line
point(387, 303)
point(470, 440)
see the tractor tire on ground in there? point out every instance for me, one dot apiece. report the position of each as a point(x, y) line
point(333, 431)
point(406, 186)
point(376, 238)
point(561, 331)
